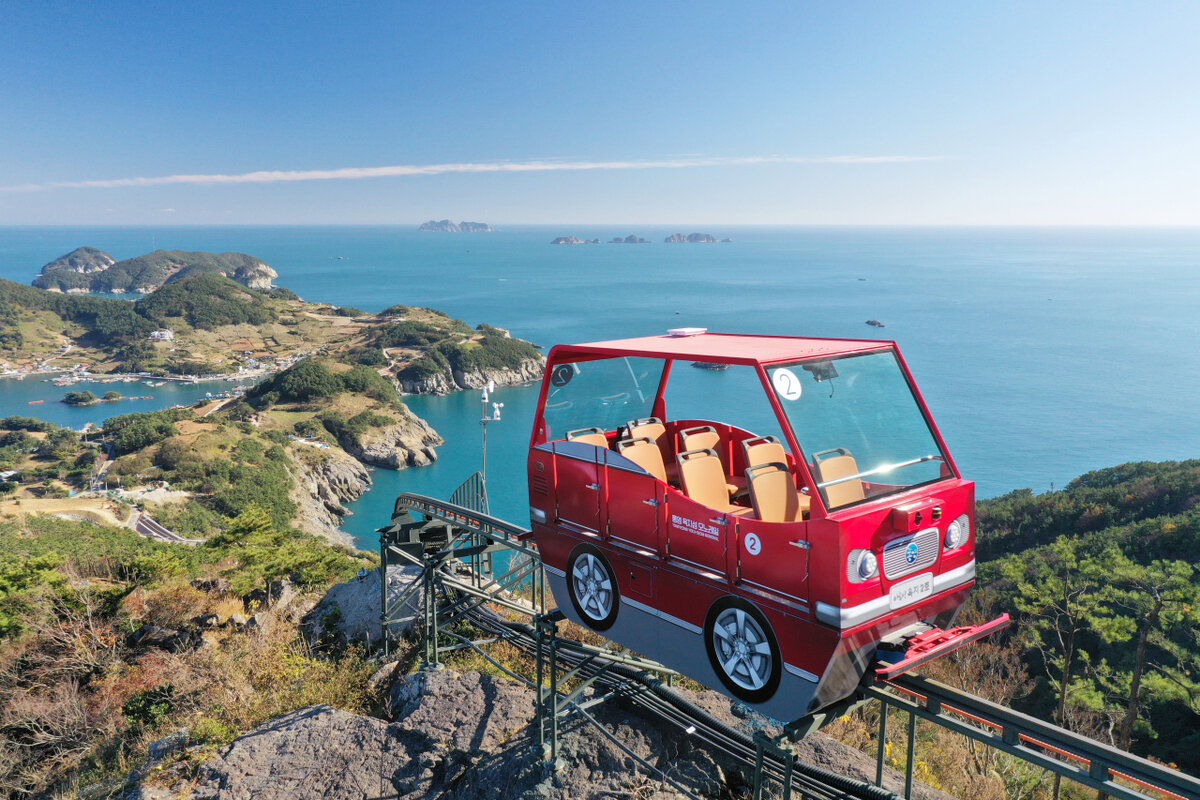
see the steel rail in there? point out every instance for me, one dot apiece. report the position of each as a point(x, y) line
point(1089, 762)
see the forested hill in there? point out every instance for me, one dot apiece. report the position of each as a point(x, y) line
point(87, 269)
point(1102, 581)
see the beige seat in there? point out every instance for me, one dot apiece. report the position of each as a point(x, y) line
point(645, 453)
point(589, 436)
point(774, 494)
point(701, 437)
point(653, 428)
point(704, 481)
point(829, 468)
point(763, 450)
point(705, 437)
point(650, 427)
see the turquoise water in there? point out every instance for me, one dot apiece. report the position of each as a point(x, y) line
point(16, 394)
point(1043, 353)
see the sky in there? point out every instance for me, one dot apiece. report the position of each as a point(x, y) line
point(796, 113)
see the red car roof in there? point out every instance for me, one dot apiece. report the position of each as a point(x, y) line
point(721, 348)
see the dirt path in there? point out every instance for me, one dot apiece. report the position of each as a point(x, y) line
point(96, 509)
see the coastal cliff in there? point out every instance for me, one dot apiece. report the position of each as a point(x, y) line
point(409, 443)
point(324, 481)
point(447, 379)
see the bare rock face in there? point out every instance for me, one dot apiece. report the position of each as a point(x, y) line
point(350, 611)
point(446, 381)
point(409, 443)
point(83, 260)
point(471, 737)
point(254, 274)
point(321, 488)
point(530, 370)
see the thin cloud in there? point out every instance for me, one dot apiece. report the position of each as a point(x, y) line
point(406, 170)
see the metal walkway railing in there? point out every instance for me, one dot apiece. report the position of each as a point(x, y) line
point(1114, 772)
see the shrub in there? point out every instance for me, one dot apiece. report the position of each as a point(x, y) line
point(147, 709)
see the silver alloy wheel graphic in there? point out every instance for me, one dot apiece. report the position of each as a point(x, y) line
point(741, 649)
point(592, 587)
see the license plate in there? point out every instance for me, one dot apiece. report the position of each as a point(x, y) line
point(911, 590)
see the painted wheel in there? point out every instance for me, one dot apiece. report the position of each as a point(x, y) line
point(593, 588)
point(742, 649)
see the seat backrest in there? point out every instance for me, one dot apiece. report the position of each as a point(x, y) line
point(773, 493)
point(650, 427)
point(701, 437)
point(763, 450)
point(653, 429)
point(703, 478)
point(589, 436)
point(645, 453)
point(845, 492)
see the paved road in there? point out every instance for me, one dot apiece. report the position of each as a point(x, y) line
point(147, 526)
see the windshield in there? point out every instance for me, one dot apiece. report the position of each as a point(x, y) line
point(859, 425)
point(600, 394)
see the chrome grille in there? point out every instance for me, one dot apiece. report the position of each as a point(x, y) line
point(895, 553)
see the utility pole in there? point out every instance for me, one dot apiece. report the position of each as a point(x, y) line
point(484, 419)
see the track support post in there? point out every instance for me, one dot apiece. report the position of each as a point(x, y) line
point(546, 703)
point(780, 748)
point(430, 605)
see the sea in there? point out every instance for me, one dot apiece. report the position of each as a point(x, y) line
point(1043, 353)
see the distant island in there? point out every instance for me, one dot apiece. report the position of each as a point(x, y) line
point(693, 237)
point(86, 269)
point(630, 239)
point(446, 226)
point(574, 240)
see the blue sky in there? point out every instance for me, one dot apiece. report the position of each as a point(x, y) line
point(957, 113)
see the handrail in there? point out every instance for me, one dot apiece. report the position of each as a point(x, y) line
point(1089, 762)
point(465, 517)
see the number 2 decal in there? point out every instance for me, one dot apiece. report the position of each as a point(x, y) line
point(786, 383)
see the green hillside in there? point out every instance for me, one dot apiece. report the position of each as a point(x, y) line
point(1102, 582)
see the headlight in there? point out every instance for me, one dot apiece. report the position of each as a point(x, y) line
point(861, 565)
point(957, 532)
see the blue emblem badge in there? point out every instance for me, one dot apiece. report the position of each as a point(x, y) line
point(910, 553)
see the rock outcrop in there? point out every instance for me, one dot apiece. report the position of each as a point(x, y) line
point(630, 239)
point(574, 240)
point(324, 480)
point(349, 611)
point(470, 737)
point(409, 443)
point(451, 380)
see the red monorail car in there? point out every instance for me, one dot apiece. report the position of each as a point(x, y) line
point(764, 529)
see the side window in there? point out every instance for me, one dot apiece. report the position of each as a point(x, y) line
point(734, 396)
point(603, 394)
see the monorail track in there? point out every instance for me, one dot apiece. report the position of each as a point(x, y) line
point(464, 534)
